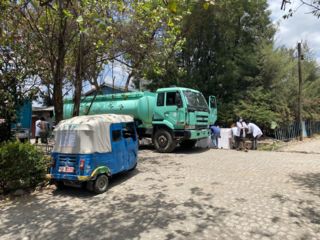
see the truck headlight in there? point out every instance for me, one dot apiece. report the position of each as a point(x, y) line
point(190, 127)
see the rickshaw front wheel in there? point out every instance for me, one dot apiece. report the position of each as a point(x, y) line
point(101, 184)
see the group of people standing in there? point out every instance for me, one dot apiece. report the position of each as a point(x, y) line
point(242, 130)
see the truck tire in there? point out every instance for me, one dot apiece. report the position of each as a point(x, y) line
point(163, 141)
point(186, 144)
point(101, 184)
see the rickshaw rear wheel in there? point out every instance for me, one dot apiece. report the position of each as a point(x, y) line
point(59, 184)
point(101, 184)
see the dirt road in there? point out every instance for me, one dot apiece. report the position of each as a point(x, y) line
point(198, 194)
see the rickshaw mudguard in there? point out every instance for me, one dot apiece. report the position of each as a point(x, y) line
point(100, 170)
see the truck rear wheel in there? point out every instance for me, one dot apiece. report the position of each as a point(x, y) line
point(100, 184)
point(188, 144)
point(163, 141)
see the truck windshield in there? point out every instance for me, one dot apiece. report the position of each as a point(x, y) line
point(196, 101)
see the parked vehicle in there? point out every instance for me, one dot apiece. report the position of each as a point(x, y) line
point(22, 128)
point(170, 116)
point(89, 150)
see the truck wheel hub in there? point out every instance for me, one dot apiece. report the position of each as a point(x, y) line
point(162, 141)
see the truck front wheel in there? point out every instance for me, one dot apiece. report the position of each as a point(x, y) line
point(164, 141)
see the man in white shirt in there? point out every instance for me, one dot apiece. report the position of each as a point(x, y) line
point(256, 134)
point(37, 130)
point(241, 134)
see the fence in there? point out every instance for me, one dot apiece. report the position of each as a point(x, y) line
point(292, 131)
point(45, 148)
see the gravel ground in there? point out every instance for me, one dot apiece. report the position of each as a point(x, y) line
point(195, 194)
point(308, 146)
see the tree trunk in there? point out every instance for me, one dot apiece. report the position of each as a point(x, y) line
point(58, 72)
point(78, 80)
point(128, 82)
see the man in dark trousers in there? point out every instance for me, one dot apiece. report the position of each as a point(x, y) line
point(43, 125)
point(241, 134)
point(215, 135)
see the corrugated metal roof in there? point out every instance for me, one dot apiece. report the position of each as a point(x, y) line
point(42, 109)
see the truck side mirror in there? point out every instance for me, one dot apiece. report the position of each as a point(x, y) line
point(212, 102)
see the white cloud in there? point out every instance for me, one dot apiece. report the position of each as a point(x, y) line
point(302, 26)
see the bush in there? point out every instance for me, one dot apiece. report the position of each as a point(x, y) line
point(21, 166)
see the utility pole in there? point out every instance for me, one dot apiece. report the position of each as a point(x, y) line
point(300, 91)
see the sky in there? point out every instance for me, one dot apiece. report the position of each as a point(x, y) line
point(302, 26)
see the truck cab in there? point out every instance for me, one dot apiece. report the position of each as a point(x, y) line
point(181, 116)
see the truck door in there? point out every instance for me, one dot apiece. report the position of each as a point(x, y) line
point(173, 108)
point(213, 110)
point(130, 140)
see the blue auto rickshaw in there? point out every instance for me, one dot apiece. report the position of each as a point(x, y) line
point(88, 150)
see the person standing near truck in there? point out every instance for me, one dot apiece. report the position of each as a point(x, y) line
point(256, 133)
point(215, 135)
point(43, 125)
point(37, 127)
point(241, 134)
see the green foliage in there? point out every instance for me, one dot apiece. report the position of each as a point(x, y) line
point(220, 47)
point(21, 166)
point(258, 108)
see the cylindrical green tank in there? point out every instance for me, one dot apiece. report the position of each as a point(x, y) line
point(140, 105)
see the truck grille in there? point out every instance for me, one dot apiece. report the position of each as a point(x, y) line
point(202, 119)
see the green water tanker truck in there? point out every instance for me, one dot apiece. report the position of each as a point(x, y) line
point(169, 117)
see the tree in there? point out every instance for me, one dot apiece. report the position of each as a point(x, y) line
point(47, 26)
point(273, 96)
point(220, 54)
point(17, 77)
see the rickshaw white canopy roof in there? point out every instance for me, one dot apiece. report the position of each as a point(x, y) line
point(86, 134)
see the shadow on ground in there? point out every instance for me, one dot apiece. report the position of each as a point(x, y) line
point(81, 192)
point(177, 150)
point(309, 182)
point(307, 210)
point(108, 216)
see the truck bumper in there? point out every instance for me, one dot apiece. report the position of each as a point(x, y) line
point(191, 134)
